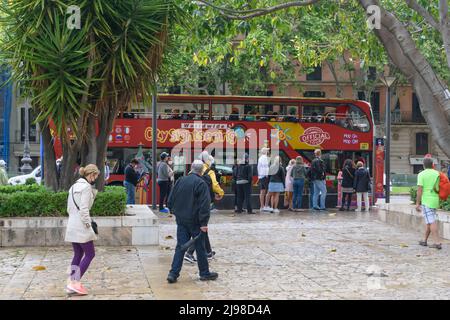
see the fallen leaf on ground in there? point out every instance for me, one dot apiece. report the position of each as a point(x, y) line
point(333, 250)
point(170, 216)
point(39, 268)
point(303, 235)
point(169, 237)
point(418, 255)
point(233, 215)
point(332, 214)
point(403, 245)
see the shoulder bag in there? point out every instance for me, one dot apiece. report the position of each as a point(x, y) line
point(93, 223)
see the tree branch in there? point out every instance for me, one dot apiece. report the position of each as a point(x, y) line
point(413, 4)
point(445, 27)
point(248, 14)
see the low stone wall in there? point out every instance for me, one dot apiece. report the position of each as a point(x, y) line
point(139, 226)
point(406, 215)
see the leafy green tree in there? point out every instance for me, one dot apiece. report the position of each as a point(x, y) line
point(415, 36)
point(81, 77)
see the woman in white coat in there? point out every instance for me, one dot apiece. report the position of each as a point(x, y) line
point(79, 227)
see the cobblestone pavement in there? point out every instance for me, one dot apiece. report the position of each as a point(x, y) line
point(262, 256)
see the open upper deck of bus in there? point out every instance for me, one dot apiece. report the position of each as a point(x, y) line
point(351, 114)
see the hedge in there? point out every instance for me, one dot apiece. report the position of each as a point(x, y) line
point(36, 201)
point(444, 205)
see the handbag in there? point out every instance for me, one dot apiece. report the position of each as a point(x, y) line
point(93, 223)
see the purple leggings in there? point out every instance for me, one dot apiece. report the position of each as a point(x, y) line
point(79, 265)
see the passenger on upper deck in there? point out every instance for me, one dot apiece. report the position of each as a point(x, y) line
point(250, 116)
point(234, 116)
point(314, 117)
point(292, 116)
point(185, 115)
point(193, 115)
point(176, 114)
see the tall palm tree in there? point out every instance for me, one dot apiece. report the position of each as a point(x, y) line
point(80, 78)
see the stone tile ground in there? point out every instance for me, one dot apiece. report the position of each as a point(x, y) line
point(263, 256)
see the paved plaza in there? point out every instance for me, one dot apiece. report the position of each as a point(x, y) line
point(337, 255)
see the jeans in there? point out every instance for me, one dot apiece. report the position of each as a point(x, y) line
point(359, 195)
point(83, 253)
point(131, 192)
point(319, 188)
point(298, 193)
point(163, 192)
point(184, 234)
point(244, 194)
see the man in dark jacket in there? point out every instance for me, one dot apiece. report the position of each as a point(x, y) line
point(190, 203)
point(131, 180)
point(318, 175)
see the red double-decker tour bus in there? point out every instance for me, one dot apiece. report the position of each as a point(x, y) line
point(341, 128)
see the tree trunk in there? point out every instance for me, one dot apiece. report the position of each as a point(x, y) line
point(70, 157)
point(405, 55)
point(50, 178)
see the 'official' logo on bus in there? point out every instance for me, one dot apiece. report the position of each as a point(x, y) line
point(314, 136)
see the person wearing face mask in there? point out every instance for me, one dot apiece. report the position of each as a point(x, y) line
point(131, 180)
point(79, 229)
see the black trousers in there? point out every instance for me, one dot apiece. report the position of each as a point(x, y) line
point(163, 192)
point(207, 245)
point(348, 196)
point(244, 194)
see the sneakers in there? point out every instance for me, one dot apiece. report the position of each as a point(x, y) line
point(268, 209)
point(276, 210)
point(210, 276)
point(76, 287)
point(171, 279)
point(210, 255)
point(189, 257)
point(165, 210)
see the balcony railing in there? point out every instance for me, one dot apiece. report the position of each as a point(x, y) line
point(398, 117)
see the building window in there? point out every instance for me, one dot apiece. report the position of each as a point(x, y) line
point(314, 94)
point(421, 143)
point(316, 75)
point(417, 168)
point(32, 118)
point(372, 73)
point(416, 112)
point(374, 103)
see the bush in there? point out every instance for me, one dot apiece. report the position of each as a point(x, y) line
point(413, 194)
point(444, 205)
point(112, 202)
point(30, 181)
point(29, 201)
point(22, 188)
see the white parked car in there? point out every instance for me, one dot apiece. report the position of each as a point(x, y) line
point(36, 174)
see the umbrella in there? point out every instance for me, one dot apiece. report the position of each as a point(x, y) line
point(190, 242)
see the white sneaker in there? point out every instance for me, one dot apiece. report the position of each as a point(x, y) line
point(358, 210)
point(276, 211)
point(268, 209)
